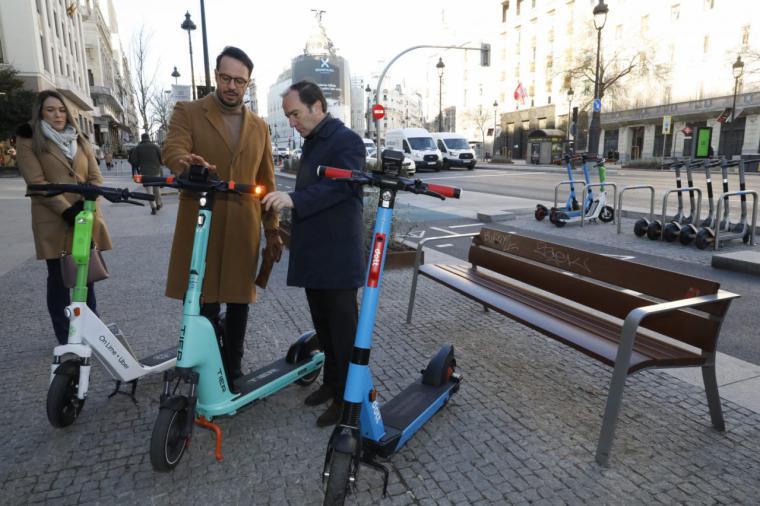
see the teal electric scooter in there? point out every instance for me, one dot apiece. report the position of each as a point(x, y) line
point(206, 393)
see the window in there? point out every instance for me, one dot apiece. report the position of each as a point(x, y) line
point(745, 36)
point(2, 60)
point(532, 4)
point(706, 44)
point(504, 9)
point(644, 25)
point(709, 4)
point(45, 61)
point(517, 7)
point(675, 12)
point(619, 33)
point(55, 19)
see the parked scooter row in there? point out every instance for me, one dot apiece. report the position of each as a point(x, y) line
point(594, 204)
point(688, 228)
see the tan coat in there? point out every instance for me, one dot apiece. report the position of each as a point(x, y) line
point(52, 235)
point(233, 249)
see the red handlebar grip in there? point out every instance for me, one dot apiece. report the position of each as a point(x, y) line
point(334, 173)
point(447, 191)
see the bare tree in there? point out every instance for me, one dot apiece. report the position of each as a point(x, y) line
point(144, 82)
point(480, 118)
point(161, 109)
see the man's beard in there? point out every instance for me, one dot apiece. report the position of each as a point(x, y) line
point(226, 102)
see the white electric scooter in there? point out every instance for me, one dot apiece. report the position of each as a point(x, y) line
point(88, 335)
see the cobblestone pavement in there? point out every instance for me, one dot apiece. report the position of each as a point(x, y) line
point(521, 430)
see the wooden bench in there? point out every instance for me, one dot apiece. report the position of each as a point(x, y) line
point(613, 310)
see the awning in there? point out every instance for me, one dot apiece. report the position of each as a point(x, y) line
point(546, 133)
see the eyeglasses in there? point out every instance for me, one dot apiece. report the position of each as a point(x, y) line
point(239, 81)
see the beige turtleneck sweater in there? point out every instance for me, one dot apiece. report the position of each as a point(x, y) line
point(233, 118)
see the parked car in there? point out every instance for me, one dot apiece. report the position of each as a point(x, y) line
point(296, 153)
point(418, 144)
point(282, 153)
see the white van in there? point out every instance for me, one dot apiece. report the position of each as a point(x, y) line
point(455, 149)
point(369, 145)
point(418, 144)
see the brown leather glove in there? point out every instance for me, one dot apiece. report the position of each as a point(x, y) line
point(269, 256)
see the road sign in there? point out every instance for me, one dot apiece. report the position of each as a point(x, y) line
point(667, 123)
point(378, 111)
point(597, 105)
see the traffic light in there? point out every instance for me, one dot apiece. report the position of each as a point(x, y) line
point(485, 55)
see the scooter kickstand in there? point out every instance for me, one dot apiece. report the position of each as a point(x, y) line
point(201, 421)
point(118, 390)
point(371, 462)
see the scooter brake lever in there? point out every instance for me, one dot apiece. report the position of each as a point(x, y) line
point(134, 202)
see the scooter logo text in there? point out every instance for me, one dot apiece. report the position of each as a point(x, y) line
point(109, 347)
point(376, 262)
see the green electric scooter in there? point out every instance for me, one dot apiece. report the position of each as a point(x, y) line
point(200, 369)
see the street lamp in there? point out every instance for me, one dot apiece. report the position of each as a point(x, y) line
point(493, 148)
point(570, 94)
point(190, 26)
point(600, 18)
point(738, 68)
point(368, 90)
point(175, 75)
point(440, 67)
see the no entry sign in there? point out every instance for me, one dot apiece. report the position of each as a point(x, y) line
point(378, 111)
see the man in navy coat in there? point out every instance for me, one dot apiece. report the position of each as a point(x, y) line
point(327, 236)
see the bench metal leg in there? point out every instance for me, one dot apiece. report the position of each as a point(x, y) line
point(485, 308)
point(713, 399)
point(615, 394)
point(413, 291)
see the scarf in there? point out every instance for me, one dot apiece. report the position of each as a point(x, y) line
point(66, 140)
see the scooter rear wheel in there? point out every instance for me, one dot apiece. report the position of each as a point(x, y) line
point(654, 230)
point(337, 482)
point(705, 238)
point(671, 232)
point(63, 405)
point(309, 378)
point(167, 443)
point(687, 235)
point(607, 214)
point(541, 212)
point(640, 227)
point(560, 219)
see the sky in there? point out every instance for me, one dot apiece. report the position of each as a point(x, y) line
point(272, 33)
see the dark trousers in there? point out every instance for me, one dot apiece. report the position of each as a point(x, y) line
point(335, 315)
point(58, 297)
point(234, 334)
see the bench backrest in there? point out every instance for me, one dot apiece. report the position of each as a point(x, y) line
point(608, 284)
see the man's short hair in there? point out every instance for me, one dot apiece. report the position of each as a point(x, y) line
point(145, 137)
point(236, 53)
point(309, 93)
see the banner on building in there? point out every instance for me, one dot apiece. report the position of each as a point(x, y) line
point(667, 124)
point(520, 93)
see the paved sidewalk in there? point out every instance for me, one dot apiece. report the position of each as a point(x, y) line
point(522, 429)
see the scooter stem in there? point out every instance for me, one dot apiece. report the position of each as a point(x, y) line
point(80, 249)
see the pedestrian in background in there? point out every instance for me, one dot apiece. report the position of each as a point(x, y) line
point(52, 150)
point(109, 159)
point(146, 159)
point(326, 245)
point(218, 132)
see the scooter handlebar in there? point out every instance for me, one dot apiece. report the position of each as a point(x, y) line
point(89, 191)
point(399, 183)
point(219, 186)
point(451, 192)
point(334, 173)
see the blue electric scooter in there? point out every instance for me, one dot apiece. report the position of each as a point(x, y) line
point(561, 217)
point(365, 429)
point(199, 361)
point(571, 204)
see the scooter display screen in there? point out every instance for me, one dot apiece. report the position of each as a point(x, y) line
point(391, 162)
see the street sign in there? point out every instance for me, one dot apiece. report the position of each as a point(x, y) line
point(667, 123)
point(378, 111)
point(597, 105)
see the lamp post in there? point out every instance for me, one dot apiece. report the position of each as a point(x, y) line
point(175, 75)
point(205, 47)
point(368, 90)
point(570, 94)
point(493, 148)
point(600, 18)
point(190, 26)
point(440, 67)
point(738, 68)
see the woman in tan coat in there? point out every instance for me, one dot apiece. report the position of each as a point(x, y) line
point(51, 150)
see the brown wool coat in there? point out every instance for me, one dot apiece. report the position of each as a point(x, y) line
point(52, 235)
point(233, 250)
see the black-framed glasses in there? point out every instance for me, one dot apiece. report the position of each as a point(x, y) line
point(239, 81)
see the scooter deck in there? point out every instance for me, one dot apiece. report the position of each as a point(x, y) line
point(403, 410)
point(265, 375)
point(159, 357)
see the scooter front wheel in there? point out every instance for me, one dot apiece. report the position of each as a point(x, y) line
point(168, 442)
point(607, 214)
point(560, 219)
point(541, 212)
point(337, 482)
point(63, 405)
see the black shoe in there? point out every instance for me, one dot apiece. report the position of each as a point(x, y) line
point(153, 210)
point(319, 396)
point(331, 415)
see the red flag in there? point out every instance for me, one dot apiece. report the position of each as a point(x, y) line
point(520, 93)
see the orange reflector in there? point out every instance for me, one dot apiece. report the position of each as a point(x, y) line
point(231, 185)
point(372, 395)
point(77, 311)
point(170, 179)
point(137, 178)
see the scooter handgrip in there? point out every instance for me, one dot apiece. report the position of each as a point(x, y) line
point(251, 189)
point(333, 172)
point(141, 196)
point(451, 192)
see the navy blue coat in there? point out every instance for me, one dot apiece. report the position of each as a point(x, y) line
point(327, 236)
